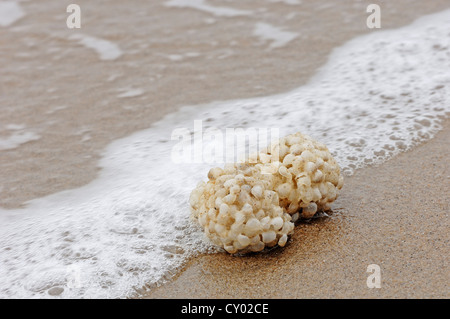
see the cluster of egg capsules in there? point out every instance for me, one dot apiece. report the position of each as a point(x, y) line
point(246, 207)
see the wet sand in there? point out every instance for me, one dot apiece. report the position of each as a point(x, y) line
point(395, 215)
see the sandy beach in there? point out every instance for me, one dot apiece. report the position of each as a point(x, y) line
point(394, 215)
point(64, 101)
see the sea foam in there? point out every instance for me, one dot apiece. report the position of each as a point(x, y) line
point(378, 95)
point(10, 12)
point(16, 136)
point(276, 36)
point(106, 50)
point(202, 5)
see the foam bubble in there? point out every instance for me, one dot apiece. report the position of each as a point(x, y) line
point(105, 49)
point(17, 137)
point(378, 95)
point(130, 93)
point(202, 5)
point(278, 37)
point(10, 12)
point(288, 2)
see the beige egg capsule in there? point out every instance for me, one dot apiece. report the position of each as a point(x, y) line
point(240, 211)
point(247, 207)
point(308, 178)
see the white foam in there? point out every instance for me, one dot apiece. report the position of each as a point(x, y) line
point(15, 127)
point(56, 109)
point(377, 95)
point(182, 57)
point(10, 12)
point(175, 57)
point(105, 49)
point(131, 93)
point(17, 137)
point(278, 37)
point(289, 2)
point(202, 5)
